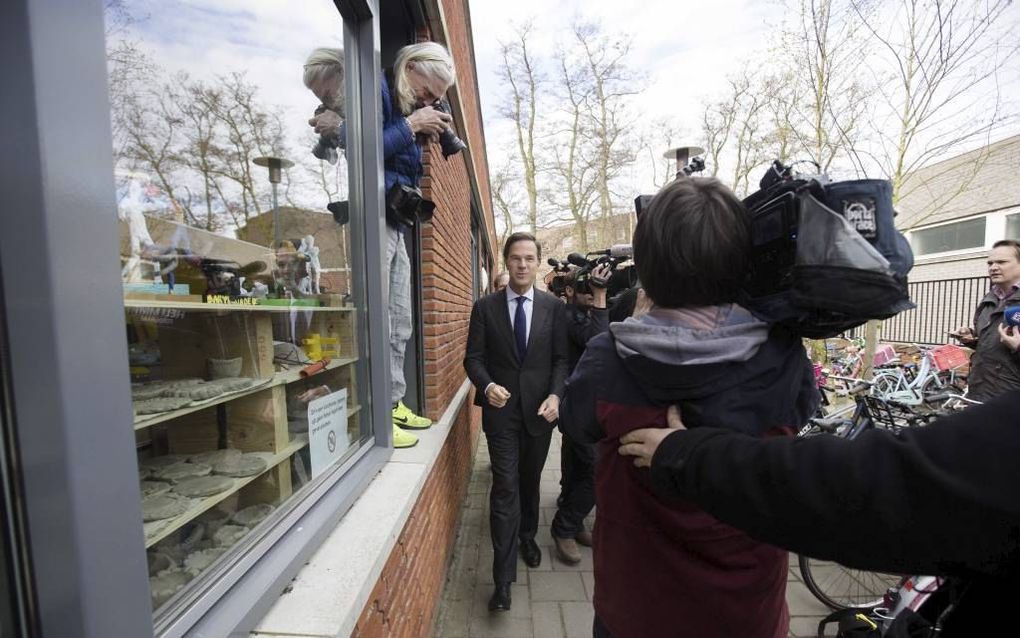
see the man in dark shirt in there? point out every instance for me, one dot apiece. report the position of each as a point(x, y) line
point(586, 317)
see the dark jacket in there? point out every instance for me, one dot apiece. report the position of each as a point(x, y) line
point(938, 500)
point(582, 325)
point(994, 368)
point(491, 357)
point(670, 569)
point(401, 154)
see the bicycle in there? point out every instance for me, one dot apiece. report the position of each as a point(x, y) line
point(834, 585)
point(916, 385)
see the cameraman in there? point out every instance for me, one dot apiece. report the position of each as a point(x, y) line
point(587, 317)
point(419, 78)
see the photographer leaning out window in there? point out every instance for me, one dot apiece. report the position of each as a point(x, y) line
point(411, 92)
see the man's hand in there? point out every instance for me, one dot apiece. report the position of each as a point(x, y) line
point(325, 123)
point(963, 334)
point(550, 408)
point(642, 444)
point(497, 395)
point(428, 121)
point(1010, 337)
point(602, 272)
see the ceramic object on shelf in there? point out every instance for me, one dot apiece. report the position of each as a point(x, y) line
point(203, 486)
point(252, 515)
point(241, 467)
point(222, 368)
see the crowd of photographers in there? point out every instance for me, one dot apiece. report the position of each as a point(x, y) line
point(676, 393)
point(680, 417)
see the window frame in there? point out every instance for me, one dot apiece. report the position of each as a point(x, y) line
point(69, 394)
point(955, 251)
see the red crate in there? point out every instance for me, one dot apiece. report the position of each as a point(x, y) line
point(884, 353)
point(949, 356)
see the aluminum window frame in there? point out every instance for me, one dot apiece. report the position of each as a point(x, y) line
point(68, 353)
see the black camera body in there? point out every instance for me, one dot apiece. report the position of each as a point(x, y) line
point(619, 279)
point(328, 146)
point(448, 140)
point(405, 205)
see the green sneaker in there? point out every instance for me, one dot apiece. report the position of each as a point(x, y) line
point(403, 439)
point(403, 417)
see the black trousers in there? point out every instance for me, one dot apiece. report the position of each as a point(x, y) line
point(577, 487)
point(517, 460)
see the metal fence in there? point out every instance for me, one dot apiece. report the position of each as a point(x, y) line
point(942, 306)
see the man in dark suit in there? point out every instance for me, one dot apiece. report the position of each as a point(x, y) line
point(517, 360)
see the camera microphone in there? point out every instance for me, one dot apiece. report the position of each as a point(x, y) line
point(617, 251)
point(577, 259)
point(552, 261)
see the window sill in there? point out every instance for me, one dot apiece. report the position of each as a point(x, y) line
point(328, 595)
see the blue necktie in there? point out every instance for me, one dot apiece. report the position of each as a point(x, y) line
point(521, 329)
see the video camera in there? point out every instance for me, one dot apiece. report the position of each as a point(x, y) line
point(584, 265)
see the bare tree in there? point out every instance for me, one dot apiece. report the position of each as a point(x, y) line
point(942, 92)
point(824, 52)
point(524, 80)
point(612, 83)
point(574, 174)
point(506, 197)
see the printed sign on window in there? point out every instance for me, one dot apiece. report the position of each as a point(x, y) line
point(327, 430)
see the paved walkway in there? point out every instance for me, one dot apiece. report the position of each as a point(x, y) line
point(553, 600)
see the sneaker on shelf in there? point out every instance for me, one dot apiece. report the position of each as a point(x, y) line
point(403, 439)
point(403, 417)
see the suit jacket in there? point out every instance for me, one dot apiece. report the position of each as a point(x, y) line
point(491, 357)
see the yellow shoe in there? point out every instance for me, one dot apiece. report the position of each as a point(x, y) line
point(403, 439)
point(403, 417)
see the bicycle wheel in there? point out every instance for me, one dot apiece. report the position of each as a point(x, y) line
point(884, 386)
point(839, 587)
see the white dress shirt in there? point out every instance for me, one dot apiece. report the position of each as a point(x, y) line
point(529, 305)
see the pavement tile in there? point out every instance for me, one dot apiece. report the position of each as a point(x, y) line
point(578, 619)
point(802, 602)
point(589, 584)
point(557, 586)
point(547, 620)
point(500, 625)
point(454, 619)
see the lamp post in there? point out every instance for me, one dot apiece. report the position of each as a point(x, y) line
point(681, 154)
point(275, 166)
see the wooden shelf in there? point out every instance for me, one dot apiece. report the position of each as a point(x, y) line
point(280, 378)
point(214, 307)
point(156, 531)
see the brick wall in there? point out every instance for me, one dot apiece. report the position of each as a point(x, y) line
point(404, 600)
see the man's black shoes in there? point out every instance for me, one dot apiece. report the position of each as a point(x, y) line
point(500, 600)
point(531, 554)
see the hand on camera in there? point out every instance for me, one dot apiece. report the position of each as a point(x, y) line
point(428, 121)
point(599, 279)
point(1010, 337)
point(325, 123)
point(497, 395)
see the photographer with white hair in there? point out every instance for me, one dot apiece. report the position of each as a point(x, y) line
point(410, 93)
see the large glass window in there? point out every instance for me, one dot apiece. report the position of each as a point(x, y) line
point(957, 236)
point(242, 269)
point(1013, 226)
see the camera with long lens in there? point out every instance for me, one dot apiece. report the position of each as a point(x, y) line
point(448, 140)
point(405, 205)
point(329, 145)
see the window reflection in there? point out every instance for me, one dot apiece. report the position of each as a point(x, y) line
point(240, 257)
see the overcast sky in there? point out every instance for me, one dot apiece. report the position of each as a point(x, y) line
point(685, 49)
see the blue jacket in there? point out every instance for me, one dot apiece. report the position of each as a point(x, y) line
point(401, 155)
